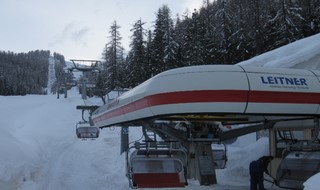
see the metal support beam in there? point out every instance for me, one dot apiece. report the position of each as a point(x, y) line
point(201, 164)
point(316, 128)
point(234, 133)
point(170, 132)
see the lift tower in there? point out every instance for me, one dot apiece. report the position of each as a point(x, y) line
point(85, 68)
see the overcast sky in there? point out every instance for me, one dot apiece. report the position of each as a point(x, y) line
point(77, 29)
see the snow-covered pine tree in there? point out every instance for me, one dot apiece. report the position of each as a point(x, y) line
point(224, 18)
point(137, 68)
point(192, 46)
point(113, 59)
point(286, 23)
point(164, 48)
point(310, 14)
point(149, 54)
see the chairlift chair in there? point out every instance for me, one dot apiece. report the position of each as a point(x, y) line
point(157, 168)
point(296, 168)
point(85, 131)
point(219, 154)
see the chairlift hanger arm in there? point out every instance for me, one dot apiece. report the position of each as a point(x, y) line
point(90, 108)
point(94, 64)
point(83, 60)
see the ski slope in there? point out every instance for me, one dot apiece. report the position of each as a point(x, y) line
point(51, 75)
point(39, 149)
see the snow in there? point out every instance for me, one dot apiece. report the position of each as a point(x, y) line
point(39, 148)
point(51, 74)
point(303, 54)
point(312, 183)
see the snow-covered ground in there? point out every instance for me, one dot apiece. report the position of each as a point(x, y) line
point(39, 149)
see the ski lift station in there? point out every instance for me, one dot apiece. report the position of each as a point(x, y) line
point(185, 112)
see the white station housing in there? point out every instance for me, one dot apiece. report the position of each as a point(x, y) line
point(216, 89)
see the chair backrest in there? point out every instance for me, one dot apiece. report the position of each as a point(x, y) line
point(157, 169)
point(87, 132)
point(296, 168)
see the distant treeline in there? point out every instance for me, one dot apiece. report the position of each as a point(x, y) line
point(220, 32)
point(24, 73)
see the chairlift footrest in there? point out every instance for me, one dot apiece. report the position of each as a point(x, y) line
point(91, 108)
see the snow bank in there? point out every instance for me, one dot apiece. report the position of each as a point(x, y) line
point(18, 155)
point(300, 54)
point(312, 183)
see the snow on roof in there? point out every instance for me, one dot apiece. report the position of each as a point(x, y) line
point(303, 53)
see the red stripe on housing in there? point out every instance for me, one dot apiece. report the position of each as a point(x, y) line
point(284, 97)
point(205, 96)
point(198, 97)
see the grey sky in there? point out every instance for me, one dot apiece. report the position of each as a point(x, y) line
point(77, 29)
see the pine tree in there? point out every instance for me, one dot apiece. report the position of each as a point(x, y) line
point(149, 55)
point(209, 33)
point(225, 20)
point(241, 40)
point(286, 23)
point(180, 32)
point(136, 60)
point(310, 10)
point(193, 49)
point(164, 50)
point(113, 59)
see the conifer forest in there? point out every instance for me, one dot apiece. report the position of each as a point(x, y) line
point(219, 32)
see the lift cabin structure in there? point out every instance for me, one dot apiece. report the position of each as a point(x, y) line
point(191, 106)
